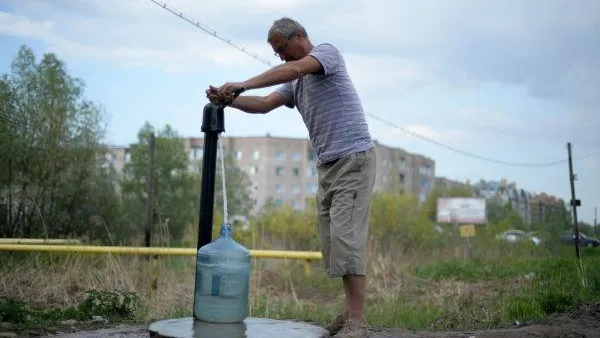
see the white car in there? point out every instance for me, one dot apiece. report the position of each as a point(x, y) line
point(516, 236)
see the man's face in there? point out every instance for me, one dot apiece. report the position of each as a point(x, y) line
point(287, 49)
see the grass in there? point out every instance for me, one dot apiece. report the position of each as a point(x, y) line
point(414, 291)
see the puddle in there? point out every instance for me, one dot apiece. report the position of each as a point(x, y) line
point(250, 328)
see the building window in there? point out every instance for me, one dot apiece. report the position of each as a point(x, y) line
point(296, 171)
point(425, 170)
point(401, 176)
point(311, 156)
point(279, 187)
point(238, 155)
point(296, 157)
point(425, 184)
point(279, 171)
point(253, 170)
point(311, 188)
point(403, 164)
point(296, 204)
point(295, 189)
point(280, 155)
point(256, 155)
point(311, 172)
point(195, 153)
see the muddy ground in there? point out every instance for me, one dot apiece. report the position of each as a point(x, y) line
point(583, 322)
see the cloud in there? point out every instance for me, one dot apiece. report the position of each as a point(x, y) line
point(21, 26)
point(399, 48)
point(401, 135)
point(549, 47)
point(409, 44)
point(483, 117)
point(387, 74)
point(592, 162)
point(128, 43)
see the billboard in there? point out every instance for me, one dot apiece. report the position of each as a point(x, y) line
point(463, 210)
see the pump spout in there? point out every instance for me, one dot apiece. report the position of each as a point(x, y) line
point(213, 123)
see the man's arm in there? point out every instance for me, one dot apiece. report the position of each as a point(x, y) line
point(284, 73)
point(277, 75)
point(258, 104)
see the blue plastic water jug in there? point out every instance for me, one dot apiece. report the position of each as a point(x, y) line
point(222, 280)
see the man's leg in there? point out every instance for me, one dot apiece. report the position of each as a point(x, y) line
point(348, 185)
point(349, 229)
point(324, 224)
point(354, 286)
point(349, 233)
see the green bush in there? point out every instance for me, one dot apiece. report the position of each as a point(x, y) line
point(111, 305)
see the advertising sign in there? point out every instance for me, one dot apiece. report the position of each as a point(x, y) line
point(462, 210)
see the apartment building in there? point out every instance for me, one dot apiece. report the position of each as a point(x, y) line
point(506, 192)
point(544, 207)
point(405, 172)
point(447, 184)
point(284, 169)
point(533, 208)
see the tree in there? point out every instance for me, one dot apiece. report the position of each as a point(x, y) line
point(176, 188)
point(50, 140)
point(496, 210)
point(237, 185)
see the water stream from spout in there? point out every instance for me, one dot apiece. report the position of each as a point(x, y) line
point(225, 216)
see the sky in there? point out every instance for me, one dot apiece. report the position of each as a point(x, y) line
point(512, 80)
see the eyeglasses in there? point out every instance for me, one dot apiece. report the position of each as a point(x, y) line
point(282, 49)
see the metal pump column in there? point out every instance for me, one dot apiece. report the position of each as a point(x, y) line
point(213, 123)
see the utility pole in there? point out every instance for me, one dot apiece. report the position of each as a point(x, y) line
point(574, 202)
point(150, 216)
point(596, 230)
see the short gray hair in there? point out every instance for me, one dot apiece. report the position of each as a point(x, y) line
point(286, 27)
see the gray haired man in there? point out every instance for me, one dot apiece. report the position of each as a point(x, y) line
point(314, 80)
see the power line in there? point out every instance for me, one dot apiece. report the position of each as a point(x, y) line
point(441, 144)
point(210, 31)
point(479, 157)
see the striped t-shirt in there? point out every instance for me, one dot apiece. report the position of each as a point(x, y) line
point(330, 107)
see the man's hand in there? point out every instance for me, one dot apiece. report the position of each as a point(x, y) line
point(231, 89)
point(214, 96)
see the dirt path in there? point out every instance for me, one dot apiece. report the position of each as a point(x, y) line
point(582, 323)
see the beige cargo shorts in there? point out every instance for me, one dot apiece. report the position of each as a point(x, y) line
point(343, 204)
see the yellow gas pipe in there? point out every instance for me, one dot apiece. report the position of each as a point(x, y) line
point(307, 256)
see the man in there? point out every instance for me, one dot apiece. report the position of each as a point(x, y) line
point(314, 79)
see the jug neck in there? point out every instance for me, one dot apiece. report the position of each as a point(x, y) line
point(226, 230)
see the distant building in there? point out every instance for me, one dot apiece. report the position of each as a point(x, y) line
point(447, 184)
point(544, 206)
point(531, 207)
point(284, 169)
point(507, 192)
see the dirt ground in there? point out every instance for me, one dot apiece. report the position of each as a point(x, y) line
point(583, 322)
